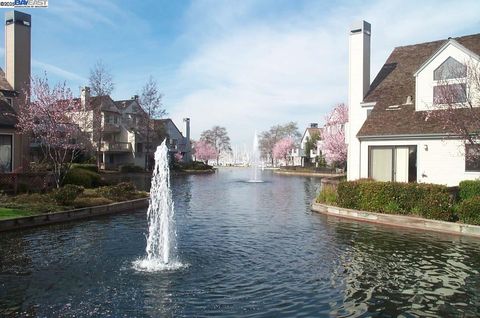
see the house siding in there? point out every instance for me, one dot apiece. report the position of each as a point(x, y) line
point(439, 161)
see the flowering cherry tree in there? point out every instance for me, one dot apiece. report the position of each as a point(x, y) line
point(204, 151)
point(333, 138)
point(51, 117)
point(178, 157)
point(282, 148)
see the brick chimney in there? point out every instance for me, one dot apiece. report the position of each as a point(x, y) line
point(18, 50)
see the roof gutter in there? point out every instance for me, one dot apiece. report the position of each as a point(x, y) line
point(409, 137)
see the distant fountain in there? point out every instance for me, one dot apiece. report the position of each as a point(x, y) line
point(255, 161)
point(161, 239)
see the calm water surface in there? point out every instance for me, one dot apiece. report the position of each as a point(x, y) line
point(252, 250)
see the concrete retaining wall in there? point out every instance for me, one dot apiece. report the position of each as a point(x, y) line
point(399, 220)
point(71, 215)
point(307, 174)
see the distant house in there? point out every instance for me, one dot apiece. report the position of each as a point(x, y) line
point(299, 155)
point(119, 134)
point(389, 136)
point(176, 141)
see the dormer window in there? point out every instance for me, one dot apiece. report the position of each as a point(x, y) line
point(450, 69)
point(450, 82)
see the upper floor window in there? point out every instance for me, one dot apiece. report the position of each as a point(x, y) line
point(450, 82)
point(472, 158)
point(450, 93)
point(450, 69)
point(107, 118)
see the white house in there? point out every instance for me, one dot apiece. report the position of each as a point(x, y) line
point(298, 154)
point(389, 135)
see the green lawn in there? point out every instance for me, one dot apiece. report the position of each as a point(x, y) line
point(6, 213)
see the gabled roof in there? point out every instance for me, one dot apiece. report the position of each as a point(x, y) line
point(123, 105)
point(164, 122)
point(4, 85)
point(312, 131)
point(395, 82)
point(105, 103)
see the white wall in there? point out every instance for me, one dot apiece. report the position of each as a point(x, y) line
point(424, 79)
point(442, 163)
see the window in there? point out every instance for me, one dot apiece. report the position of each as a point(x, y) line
point(393, 163)
point(450, 69)
point(450, 93)
point(6, 153)
point(139, 147)
point(449, 86)
point(369, 111)
point(107, 118)
point(115, 119)
point(472, 157)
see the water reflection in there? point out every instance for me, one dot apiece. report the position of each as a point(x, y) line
point(391, 272)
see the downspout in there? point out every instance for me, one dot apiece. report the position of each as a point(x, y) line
point(360, 159)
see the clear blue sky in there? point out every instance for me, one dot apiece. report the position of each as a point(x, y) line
point(242, 64)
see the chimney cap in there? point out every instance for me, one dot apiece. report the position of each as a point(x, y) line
point(18, 17)
point(135, 97)
point(361, 26)
point(314, 125)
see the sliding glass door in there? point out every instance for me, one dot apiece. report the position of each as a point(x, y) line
point(393, 163)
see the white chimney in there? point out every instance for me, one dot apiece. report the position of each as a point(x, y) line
point(85, 97)
point(188, 146)
point(358, 85)
point(18, 50)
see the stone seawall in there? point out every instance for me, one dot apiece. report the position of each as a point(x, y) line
point(71, 215)
point(399, 220)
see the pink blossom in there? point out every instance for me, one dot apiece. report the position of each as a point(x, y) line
point(283, 147)
point(333, 144)
point(178, 156)
point(204, 151)
point(49, 115)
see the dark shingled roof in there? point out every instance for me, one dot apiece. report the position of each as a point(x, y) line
point(4, 85)
point(395, 82)
point(122, 104)
point(105, 102)
point(314, 130)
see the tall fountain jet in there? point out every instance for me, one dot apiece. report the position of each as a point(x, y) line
point(161, 239)
point(255, 161)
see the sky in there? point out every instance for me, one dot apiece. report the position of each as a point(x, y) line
point(242, 64)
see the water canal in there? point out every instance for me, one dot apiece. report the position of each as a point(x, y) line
point(250, 249)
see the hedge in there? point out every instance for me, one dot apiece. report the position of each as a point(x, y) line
point(425, 200)
point(469, 210)
point(121, 192)
point(87, 166)
point(469, 189)
point(82, 177)
point(67, 194)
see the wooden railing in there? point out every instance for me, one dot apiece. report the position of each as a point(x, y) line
point(23, 182)
point(116, 146)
